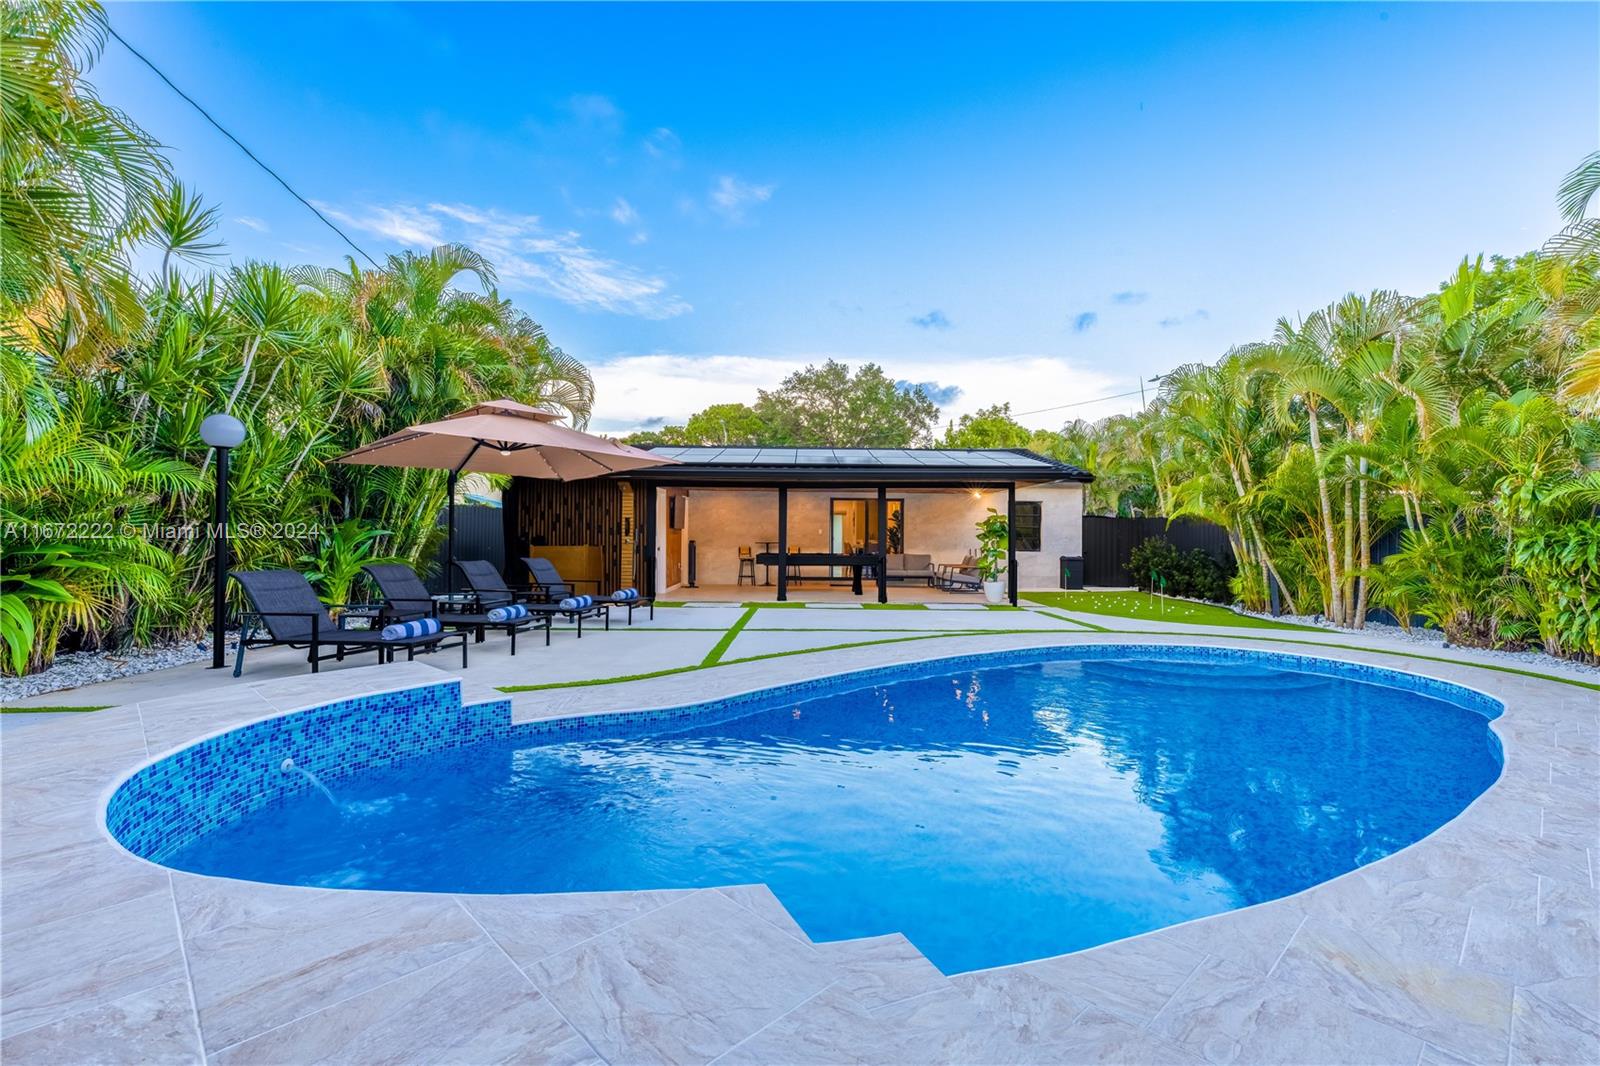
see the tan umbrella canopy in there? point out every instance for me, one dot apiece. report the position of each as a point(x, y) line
point(502, 437)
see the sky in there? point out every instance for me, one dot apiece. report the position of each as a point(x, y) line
point(1035, 205)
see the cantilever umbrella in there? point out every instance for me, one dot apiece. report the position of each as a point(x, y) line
point(501, 437)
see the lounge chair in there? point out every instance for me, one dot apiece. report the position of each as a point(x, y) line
point(959, 577)
point(485, 582)
point(287, 607)
point(548, 580)
point(406, 598)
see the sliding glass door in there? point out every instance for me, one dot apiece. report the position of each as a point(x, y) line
point(854, 526)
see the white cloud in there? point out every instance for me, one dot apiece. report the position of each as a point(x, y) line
point(593, 108)
point(635, 390)
point(623, 213)
point(527, 256)
point(254, 223)
point(731, 197)
point(663, 144)
point(402, 224)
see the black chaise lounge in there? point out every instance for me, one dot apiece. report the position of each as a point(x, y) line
point(405, 599)
point(548, 581)
point(287, 607)
point(485, 582)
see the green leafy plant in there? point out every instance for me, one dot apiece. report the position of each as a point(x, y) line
point(1563, 565)
point(994, 543)
point(341, 552)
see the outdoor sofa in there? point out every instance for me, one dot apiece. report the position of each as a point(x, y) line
point(547, 580)
point(484, 581)
point(286, 606)
point(406, 599)
point(909, 568)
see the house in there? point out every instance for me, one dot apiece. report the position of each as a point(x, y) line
point(683, 525)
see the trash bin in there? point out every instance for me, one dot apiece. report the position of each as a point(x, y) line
point(1072, 571)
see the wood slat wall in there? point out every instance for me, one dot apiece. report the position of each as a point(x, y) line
point(567, 514)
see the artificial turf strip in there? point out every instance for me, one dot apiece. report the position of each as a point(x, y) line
point(767, 605)
point(1074, 621)
point(715, 654)
point(1139, 605)
point(894, 607)
point(53, 710)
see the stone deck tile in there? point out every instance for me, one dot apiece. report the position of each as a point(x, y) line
point(531, 928)
point(91, 959)
point(154, 1026)
point(682, 983)
point(881, 970)
point(263, 972)
point(473, 1007)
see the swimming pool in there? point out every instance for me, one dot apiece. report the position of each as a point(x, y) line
point(993, 809)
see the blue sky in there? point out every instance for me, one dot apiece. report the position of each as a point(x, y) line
point(1034, 204)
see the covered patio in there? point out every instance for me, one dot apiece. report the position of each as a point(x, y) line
point(808, 524)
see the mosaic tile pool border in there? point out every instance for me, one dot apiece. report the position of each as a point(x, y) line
point(222, 778)
point(219, 779)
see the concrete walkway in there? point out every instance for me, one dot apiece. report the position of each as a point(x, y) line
point(1479, 944)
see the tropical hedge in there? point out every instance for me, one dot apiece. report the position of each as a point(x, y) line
point(106, 373)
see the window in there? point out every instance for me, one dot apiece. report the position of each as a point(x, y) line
point(1030, 522)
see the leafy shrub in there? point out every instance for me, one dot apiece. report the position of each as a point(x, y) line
point(1195, 573)
point(1563, 566)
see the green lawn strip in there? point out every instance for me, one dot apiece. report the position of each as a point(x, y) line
point(1377, 651)
point(54, 710)
point(706, 664)
point(715, 654)
point(1001, 607)
point(894, 607)
point(767, 605)
point(1139, 605)
point(1074, 621)
point(671, 603)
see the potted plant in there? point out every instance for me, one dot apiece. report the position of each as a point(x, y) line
point(994, 542)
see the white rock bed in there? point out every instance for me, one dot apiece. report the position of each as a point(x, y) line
point(75, 669)
point(1432, 638)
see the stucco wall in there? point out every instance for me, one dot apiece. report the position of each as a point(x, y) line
point(939, 524)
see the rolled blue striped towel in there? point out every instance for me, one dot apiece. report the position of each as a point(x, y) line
point(625, 594)
point(509, 613)
point(577, 603)
point(422, 627)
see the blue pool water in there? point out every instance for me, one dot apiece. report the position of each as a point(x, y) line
point(992, 815)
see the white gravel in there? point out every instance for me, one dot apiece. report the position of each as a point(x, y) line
point(1432, 638)
point(88, 667)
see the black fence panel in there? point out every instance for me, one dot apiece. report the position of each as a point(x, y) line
point(480, 534)
point(1108, 543)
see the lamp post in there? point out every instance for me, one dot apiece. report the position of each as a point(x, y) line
point(223, 433)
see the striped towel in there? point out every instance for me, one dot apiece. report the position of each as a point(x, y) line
point(509, 613)
point(577, 603)
point(625, 594)
point(422, 627)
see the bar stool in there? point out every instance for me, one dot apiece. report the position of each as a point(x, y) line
point(747, 565)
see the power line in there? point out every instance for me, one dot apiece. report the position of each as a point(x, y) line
point(1079, 403)
point(224, 131)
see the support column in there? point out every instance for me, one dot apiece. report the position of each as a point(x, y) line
point(1011, 541)
point(883, 544)
point(783, 543)
point(645, 533)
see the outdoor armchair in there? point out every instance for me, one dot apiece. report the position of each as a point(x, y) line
point(406, 598)
point(284, 604)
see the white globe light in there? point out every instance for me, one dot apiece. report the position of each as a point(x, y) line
point(222, 431)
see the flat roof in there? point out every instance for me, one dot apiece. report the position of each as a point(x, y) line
point(858, 464)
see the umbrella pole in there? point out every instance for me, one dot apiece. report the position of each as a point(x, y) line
point(450, 539)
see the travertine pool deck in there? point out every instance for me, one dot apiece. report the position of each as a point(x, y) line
point(1479, 944)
